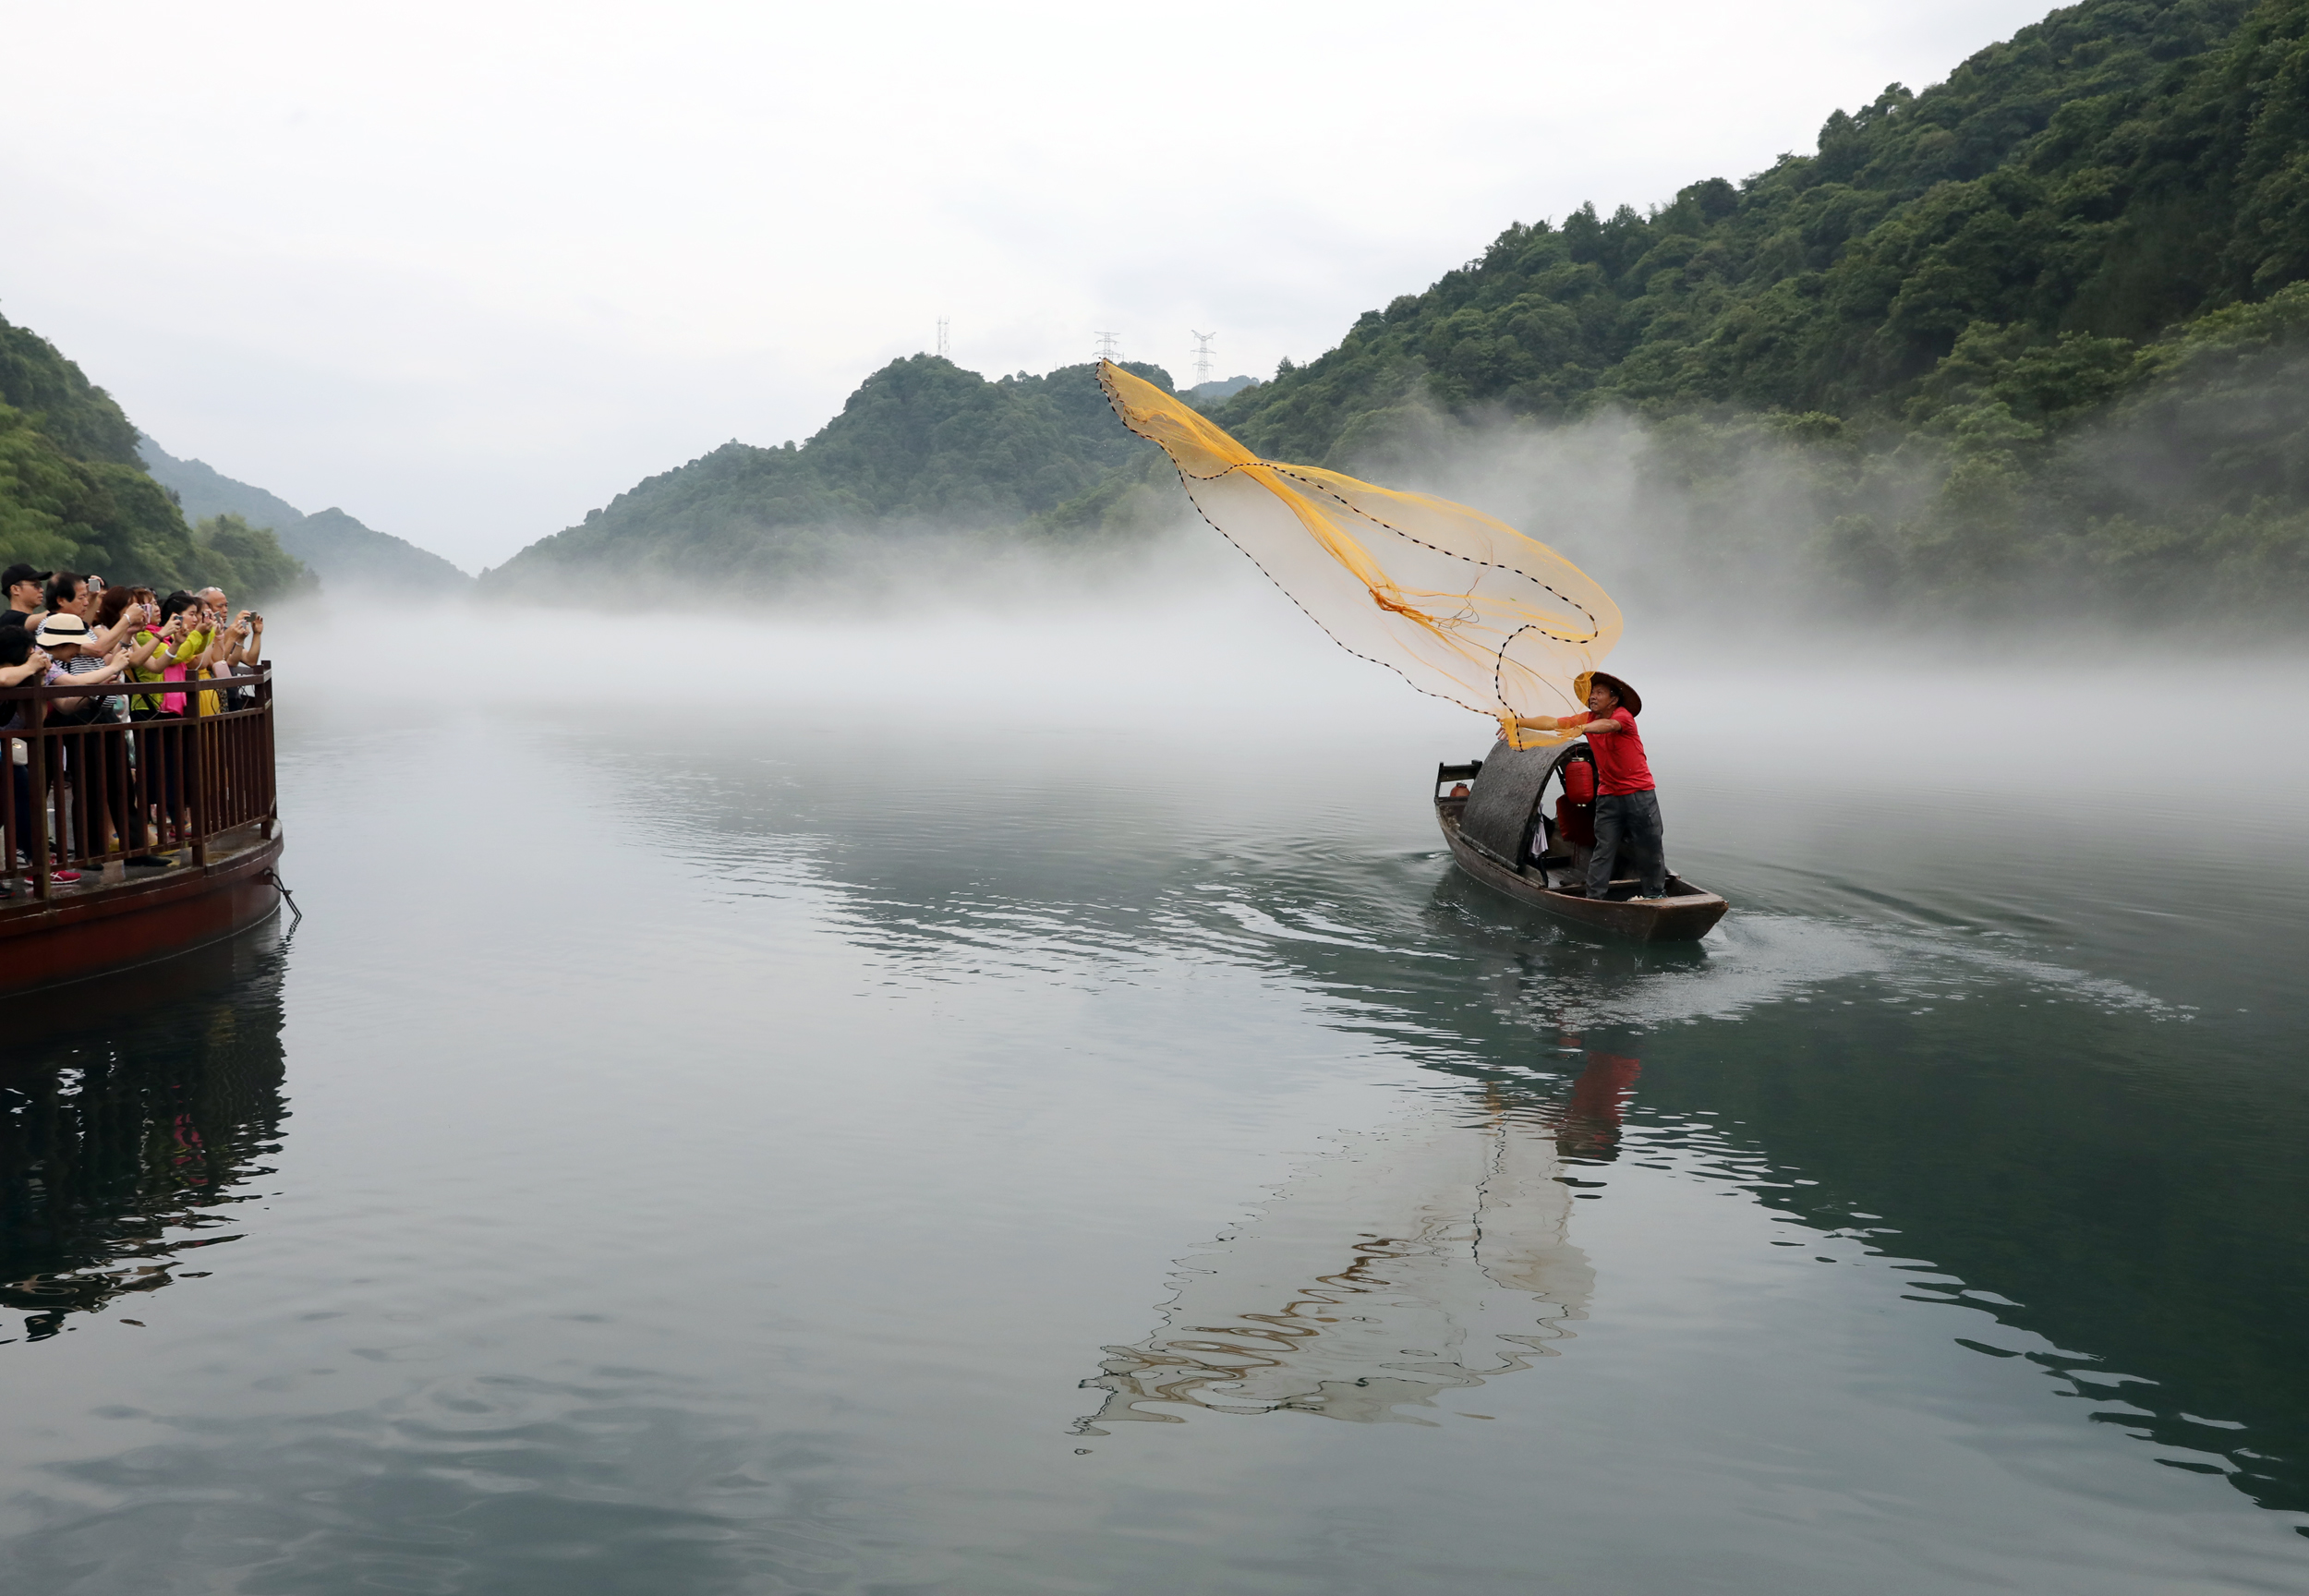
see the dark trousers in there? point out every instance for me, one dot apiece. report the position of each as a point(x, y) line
point(1630, 820)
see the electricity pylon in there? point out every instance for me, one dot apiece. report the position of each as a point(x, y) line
point(1202, 356)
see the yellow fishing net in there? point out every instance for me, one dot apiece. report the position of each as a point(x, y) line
point(1463, 607)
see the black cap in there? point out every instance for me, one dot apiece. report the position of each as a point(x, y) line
point(19, 572)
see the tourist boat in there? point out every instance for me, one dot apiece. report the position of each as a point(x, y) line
point(199, 787)
point(1494, 814)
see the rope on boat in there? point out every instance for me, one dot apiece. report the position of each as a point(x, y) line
point(286, 897)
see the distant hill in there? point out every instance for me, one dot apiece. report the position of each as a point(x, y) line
point(347, 554)
point(74, 495)
point(923, 449)
point(1205, 394)
point(337, 548)
point(204, 490)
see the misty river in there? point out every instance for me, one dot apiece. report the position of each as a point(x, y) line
point(988, 1106)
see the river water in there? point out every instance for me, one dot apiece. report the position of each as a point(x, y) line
point(988, 1108)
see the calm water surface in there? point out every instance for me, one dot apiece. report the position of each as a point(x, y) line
point(724, 1145)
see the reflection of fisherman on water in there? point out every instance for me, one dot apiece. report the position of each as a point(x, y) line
point(1407, 1262)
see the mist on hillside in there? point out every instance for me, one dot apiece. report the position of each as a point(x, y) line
point(2177, 517)
point(2173, 515)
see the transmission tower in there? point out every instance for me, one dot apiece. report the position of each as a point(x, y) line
point(1108, 349)
point(1202, 356)
point(945, 348)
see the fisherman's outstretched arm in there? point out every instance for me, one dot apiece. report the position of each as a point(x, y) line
point(1567, 723)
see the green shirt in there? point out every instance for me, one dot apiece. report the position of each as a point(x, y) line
point(195, 645)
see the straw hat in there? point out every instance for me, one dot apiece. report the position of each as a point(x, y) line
point(1629, 700)
point(61, 628)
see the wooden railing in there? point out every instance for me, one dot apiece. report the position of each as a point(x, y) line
point(82, 797)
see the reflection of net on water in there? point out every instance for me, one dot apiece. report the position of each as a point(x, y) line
point(1404, 1263)
point(1462, 606)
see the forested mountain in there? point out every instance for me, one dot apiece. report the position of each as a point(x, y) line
point(923, 447)
point(2115, 169)
point(73, 495)
point(2041, 324)
point(2037, 333)
point(335, 547)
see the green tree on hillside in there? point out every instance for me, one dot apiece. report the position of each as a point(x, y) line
point(252, 556)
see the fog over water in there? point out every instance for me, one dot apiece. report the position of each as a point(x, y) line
point(1019, 1099)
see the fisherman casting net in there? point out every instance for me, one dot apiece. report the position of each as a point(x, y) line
point(1461, 606)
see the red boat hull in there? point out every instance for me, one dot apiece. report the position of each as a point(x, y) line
point(90, 928)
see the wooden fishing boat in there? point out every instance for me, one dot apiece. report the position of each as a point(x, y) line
point(172, 827)
point(1501, 833)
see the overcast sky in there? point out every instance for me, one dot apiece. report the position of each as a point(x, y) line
point(469, 270)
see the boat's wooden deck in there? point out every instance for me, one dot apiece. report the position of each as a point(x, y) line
point(115, 879)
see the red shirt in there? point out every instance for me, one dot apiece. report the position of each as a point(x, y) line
point(1620, 766)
